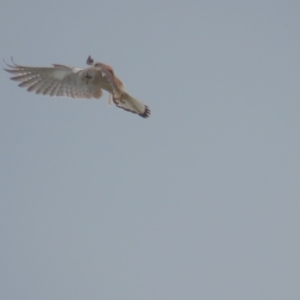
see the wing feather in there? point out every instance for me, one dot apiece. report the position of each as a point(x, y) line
point(58, 80)
point(29, 82)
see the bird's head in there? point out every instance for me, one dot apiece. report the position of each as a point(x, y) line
point(108, 73)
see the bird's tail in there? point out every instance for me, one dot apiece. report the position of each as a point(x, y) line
point(130, 103)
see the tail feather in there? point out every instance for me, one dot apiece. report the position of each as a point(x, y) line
point(129, 103)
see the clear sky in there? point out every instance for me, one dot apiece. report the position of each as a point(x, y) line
point(200, 201)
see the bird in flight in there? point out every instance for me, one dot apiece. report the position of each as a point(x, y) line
point(65, 81)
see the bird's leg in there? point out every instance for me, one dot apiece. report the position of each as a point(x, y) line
point(115, 100)
point(117, 97)
point(121, 99)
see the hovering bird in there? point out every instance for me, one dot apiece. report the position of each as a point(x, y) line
point(61, 80)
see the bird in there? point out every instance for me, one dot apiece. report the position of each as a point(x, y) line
point(65, 81)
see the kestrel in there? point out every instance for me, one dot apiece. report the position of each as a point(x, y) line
point(61, 80)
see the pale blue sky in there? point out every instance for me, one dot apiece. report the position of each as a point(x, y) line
point(201, 201)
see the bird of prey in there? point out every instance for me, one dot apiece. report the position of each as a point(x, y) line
point(61, 80)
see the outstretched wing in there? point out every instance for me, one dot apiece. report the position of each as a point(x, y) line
point(58, 80)
point(129, 103)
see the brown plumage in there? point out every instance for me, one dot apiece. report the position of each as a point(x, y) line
point(61, 80)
